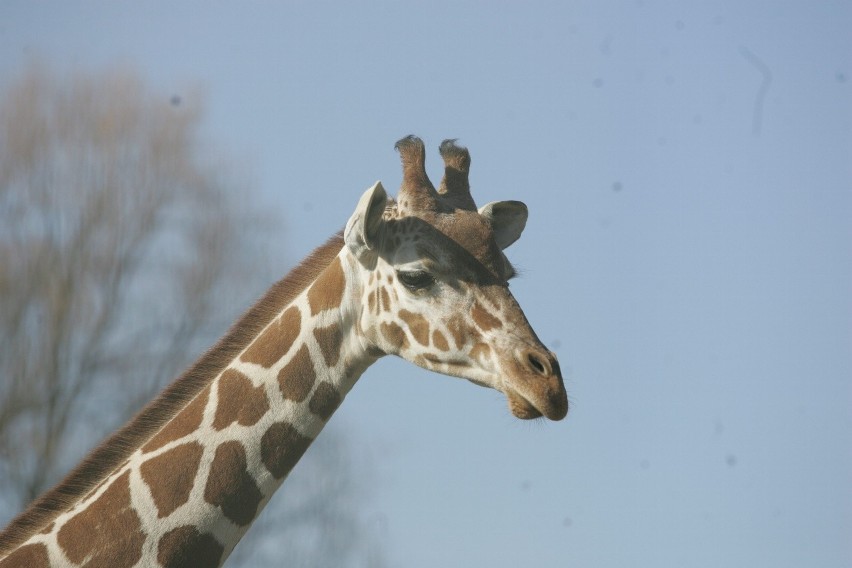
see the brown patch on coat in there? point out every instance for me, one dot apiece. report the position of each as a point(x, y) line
point(297, 377)
point(107, 533)
point(439, 341)
point(384, 300)
point(185, 546)
point(329, 340)
point(484, 319)
point(327, 292)
point(171, 475)
point(28, 556)
point(230, 486)
point(239, 401)
point(394, 334)
point(184, 424)
point(417, 325)
point(281, 447)
point(325, 400)
point(456, 327)
point(276, 340)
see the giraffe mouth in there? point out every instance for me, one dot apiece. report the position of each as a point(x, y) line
point(521, 406)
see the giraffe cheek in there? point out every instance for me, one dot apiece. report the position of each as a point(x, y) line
point(417, 325)
point(395, 337)
point(481, 353)
point(440, 341)
point(371, 302)
point(484, 319)
point(456, 327)
point(384, 300)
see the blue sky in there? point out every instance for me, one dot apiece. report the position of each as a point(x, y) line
point(688, 168)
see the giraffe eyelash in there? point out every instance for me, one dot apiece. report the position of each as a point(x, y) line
point(415, 280)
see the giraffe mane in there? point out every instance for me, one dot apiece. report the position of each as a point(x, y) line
point(118, 448)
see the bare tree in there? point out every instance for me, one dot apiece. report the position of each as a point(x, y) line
point(101, 192)
point(118, 242)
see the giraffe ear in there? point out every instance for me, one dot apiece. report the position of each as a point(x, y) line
point(507, 218)
point(363, 230)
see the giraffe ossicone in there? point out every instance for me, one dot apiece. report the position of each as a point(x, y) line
point(422, 276)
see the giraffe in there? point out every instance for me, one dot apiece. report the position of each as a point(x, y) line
point(422, 277)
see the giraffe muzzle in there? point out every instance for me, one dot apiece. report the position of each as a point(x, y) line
point(536, 388)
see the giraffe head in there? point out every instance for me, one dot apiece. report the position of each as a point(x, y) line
point(435, 283)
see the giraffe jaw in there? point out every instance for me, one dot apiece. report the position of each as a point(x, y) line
point(521, 407)
point(546, 400)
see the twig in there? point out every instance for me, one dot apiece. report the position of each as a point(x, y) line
point(757, 113)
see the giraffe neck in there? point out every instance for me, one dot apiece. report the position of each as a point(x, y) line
point(191, 490)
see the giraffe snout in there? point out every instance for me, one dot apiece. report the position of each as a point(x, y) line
point(538, 389)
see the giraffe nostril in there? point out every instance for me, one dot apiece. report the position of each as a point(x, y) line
point(537, 364)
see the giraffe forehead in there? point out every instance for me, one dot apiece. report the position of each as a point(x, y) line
point(462, 241)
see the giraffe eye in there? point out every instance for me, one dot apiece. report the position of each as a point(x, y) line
point(416, 279)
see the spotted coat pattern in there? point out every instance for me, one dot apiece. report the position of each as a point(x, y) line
point(189, 491)
point(192, 490)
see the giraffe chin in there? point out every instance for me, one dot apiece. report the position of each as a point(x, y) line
point(521, 407)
